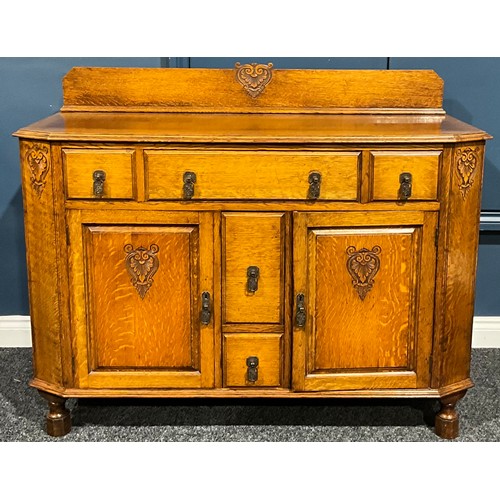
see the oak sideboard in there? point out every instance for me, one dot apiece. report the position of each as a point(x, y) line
point(251, 233)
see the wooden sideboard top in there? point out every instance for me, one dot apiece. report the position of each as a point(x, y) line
point(250, 128)
point(252, 104)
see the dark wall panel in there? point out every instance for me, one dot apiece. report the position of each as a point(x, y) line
point(488, 275)
point(30, 89)
point(293, 62)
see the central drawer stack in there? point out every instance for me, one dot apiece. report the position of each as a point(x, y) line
point(253, 291)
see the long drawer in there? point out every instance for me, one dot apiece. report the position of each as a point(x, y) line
point(221, 174)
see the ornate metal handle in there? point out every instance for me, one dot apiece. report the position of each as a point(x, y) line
point(300, 314)
point(205, 308)
point(314, 185)
point(99, 177)
point(405, 185)
point(253, 273)
point(189, 179)
point(252, 370)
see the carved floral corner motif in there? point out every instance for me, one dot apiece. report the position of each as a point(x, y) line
point(254, 77)
point(38, 162)
point(466, 160)
point(141, 265)
point(363, 265)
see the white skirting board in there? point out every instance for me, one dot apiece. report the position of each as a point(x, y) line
point(15, 331)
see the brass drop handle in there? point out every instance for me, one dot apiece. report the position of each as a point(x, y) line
point(189, 179)
point(405, 181)
point(206, 312)
point(300, 313)
point(252, 370)
point(99, 177)
point(253, 273)
point(314, 185)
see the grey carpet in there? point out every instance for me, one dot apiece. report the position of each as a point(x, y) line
point(22, 414)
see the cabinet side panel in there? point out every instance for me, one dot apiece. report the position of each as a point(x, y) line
point(456, 274)
point(42, 259)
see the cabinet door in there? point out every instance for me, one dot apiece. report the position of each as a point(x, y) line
point(255, 241)
point(137, 285)
point(364, 295)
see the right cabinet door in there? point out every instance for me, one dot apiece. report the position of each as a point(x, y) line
point(363, 299)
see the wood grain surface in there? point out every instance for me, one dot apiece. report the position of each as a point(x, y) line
point(218, 90)
point(388, 165)
point(251, 129)
point(243, 392)
point(253, 239)
point(457, 264)
point(354, 334)
point(238, 347)
point(372, 339)
point(127, 330)
point(42, 246)
point(118, 165)
point(224, 174)
point(123, 338)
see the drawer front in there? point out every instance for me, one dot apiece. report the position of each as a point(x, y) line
point(251, 175)
point(388, 168)
point(252, 360)
point(253, 267)
point(81, 165)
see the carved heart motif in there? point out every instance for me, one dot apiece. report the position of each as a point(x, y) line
point(363, 265)
point(466, 165)
point(38, 162)
point(141, 265)
point(254, 77)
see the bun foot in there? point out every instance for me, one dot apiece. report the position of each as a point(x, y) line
point(446, 423)
point(59, 417)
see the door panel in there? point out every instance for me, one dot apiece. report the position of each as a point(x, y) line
point(143, 275)
point(370, 329)
point(128, 328)
point(253, 240)
point(368, 298)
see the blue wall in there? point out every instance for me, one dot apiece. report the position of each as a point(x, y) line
point(30, 89)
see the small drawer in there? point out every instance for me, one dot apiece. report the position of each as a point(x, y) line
point(99, 173)
point(253, 267)
point(173, 175)
point(252, 360)
point(404, 175)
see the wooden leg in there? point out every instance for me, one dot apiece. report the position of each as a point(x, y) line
point(59, 417)
point(446, 425)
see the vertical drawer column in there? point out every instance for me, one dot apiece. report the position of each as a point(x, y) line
point(253, 292)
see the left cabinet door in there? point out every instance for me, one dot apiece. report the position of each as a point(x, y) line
point(139, 282)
